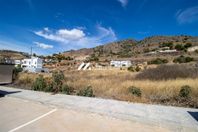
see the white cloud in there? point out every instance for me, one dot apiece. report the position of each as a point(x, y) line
point(76, 38)
point(188, 15)
point(44, 46)
point(46, 29)
point(62, 35)
point(73, 34)
point(123, 2)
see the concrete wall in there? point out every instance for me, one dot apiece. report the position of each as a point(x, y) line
point(6, 71)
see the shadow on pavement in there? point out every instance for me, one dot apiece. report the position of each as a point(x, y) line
point(3, 93)
point(194, 115)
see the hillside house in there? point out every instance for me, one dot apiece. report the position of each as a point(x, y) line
point(34, 64)
point(120, 63)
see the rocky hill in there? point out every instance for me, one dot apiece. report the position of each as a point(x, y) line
point(123, 49)
point(13, 54)
point(132, 48)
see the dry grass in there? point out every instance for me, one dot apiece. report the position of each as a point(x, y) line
point(114, 84)
point(25, 80)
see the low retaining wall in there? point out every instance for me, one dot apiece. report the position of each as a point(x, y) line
point(6, 72)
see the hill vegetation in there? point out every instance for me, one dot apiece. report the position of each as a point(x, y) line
point(13, 54)
point(132, 49)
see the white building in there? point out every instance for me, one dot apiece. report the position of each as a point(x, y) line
point(120, 63)
point(17, 62)
point(34, 64)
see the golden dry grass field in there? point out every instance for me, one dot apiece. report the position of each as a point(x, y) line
point(114, 84)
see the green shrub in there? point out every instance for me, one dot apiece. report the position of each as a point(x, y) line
point(183, 59)
point(168, 44)
point(158, 61)
point(66, 89)
point(93, 57)
point(16, 71)
point(185, 91)
point(49, 87)
point(88, 92)
point(137, 68)
point(57, 79)
point(135, 91)
point(134, 68)
point(131, 68)
point(39, 84)
point(188, 45)
point(179, 47)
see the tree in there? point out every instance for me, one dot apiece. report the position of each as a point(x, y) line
point(60, 57)
point(34, 54)
point(179, 47)
point(187, 45)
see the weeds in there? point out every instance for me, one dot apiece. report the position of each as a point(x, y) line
point(58, 78)
point(66, 89)
point(88, 92)
point(185, 91)
point(39, 84)
point(135, 91)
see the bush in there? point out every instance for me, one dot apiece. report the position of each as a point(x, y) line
point(134, 68)
point(66, 89)
point(49, 87)
point(88, 92)
point(183, 59)
point(131, 68)
point(39, 84)
point(135, 91)
point(16, 71)
point(179, 47)
point(166, 72)
point(137, 68)
point(168, 44)
point(158, 61)
point(58, 78)
point(93, 57)
point(188, 45)
point(185, 91)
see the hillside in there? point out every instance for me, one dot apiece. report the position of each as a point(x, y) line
point(123, 49)
point(13, 54)
point(131, 48)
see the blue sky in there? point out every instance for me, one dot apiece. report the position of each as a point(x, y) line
point(52, 26)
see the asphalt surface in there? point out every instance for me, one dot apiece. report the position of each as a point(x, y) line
point(25, 110)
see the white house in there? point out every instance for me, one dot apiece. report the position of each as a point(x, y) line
point(34, 64)
point(120, 63)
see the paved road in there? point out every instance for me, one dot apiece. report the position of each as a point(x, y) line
point(26, 116)
point(94, 113)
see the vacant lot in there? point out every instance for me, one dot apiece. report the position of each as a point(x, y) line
point(115, 84)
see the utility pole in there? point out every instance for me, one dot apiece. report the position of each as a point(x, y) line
point(31, 51)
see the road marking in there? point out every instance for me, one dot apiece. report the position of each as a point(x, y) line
point(36, 119)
